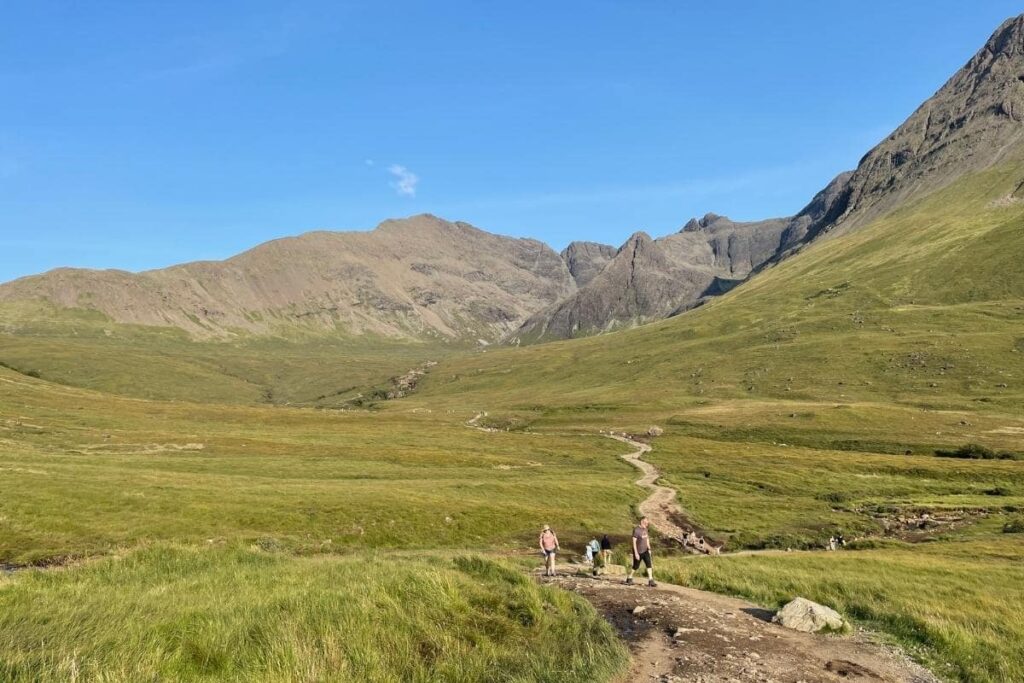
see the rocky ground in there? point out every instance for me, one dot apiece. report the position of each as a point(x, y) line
point(681, 634)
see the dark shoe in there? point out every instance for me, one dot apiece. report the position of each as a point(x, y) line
point(629, 581)
point(652, 583)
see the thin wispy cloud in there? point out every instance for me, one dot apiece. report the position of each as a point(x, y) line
point(403, 180)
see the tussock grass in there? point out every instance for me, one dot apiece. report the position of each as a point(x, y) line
point(957, 606)
point(232, 614)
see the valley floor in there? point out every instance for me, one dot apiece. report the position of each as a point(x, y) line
point(208, 542)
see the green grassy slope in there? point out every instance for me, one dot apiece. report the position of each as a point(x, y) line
point(84, 349)
point(83, 473)
point(231, 614)
point(811, 400)
point(923, 307)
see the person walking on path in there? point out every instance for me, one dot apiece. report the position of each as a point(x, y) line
point(606, 550)
point(642, 552)
point(548, 547)
point(594, 551)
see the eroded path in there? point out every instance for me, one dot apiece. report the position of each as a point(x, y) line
point(661, 504)
point(683, 634)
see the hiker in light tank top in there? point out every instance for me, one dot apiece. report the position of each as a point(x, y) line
point(548, 548)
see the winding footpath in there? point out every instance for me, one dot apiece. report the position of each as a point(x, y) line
point(678, 634)
point(660, 506)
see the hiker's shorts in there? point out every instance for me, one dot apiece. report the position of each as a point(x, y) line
point(645, 557)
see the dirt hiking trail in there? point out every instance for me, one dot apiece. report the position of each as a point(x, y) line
point(660, 505)
point(682, 634)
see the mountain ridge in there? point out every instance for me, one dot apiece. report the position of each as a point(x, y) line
point(973, 121)
point(423, 276)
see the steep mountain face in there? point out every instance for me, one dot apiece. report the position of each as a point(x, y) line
point(650, 279)
point(976, 120)
point(416, 277)
point(587, 259)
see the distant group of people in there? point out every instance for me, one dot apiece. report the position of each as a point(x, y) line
point(698, 543)
point(599, 553)
point(836, 542)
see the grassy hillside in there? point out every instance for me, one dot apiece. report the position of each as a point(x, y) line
point(811, 400)
point(84, 349)
point(93, 473)
point(924, 307)
point(232, 614)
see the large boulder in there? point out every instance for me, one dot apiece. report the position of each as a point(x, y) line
point(810, 617)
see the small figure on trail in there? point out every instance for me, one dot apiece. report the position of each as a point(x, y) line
point(589, 553)
point(548, 548)
point(832, 543)
point(606, 550)
point(642, 552)
point(594, 553)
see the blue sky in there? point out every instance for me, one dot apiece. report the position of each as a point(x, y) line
point(140, 134)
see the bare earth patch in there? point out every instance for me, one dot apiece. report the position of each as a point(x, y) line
point(682, 634)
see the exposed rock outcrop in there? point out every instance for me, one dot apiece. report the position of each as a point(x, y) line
point(976, 120)
point(649, 279)
point(587, 259)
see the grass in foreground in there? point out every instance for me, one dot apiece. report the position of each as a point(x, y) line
point(956, 605)
point(230, 614)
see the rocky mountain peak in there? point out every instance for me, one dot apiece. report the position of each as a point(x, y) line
point(1008, 40)
point(586, 259)
point(974, 121)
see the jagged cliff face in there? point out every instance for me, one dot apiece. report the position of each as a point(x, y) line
point(974, 121)
point(587, 259)
point(649, 279)
point(417, 277)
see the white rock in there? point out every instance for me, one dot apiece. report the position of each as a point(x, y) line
point(810, 617)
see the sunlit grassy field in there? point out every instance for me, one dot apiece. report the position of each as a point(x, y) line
point(84, 473)
point(85, 349)
point(235, 614)
point(956, 604)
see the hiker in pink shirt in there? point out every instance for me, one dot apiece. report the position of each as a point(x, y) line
point(548, 547)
